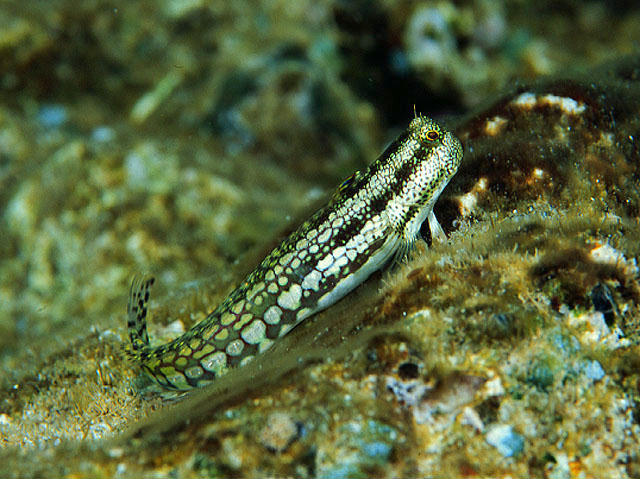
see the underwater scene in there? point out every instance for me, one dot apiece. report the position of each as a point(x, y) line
point(320, 239)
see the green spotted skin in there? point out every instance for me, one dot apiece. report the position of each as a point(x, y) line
point(373, 218)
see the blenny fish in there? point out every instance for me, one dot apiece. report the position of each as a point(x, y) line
point(372, 219)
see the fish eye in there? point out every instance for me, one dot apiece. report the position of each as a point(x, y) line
point(432, 135)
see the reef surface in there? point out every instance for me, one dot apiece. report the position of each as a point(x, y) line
point(187, 139)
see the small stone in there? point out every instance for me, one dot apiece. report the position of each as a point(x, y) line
point(279, 432)
point(493, 387)
point(593, 370)
point(377, 450)
point(115, 452)
point(505, 439)
point(470, 417)
point(52, 115)
point(103, 134)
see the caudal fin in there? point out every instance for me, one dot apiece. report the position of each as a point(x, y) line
point(137, 309)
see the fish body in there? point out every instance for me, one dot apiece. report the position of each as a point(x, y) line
point(373, 217)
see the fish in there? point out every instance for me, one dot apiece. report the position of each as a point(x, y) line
point(373, 219)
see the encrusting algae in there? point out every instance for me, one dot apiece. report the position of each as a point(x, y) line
point(511, 350)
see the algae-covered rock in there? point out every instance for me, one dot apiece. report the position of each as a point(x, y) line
point(176, 137)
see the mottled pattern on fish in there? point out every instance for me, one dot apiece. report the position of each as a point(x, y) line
point(373, 218)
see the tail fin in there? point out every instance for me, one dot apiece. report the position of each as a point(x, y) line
point(137, 311)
